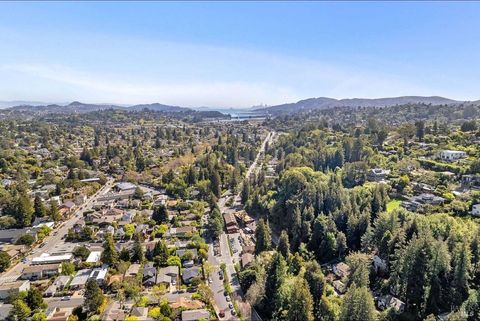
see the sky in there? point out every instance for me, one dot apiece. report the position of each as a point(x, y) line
point(237, 54)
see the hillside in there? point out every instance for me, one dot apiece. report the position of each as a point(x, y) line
point(325, 102)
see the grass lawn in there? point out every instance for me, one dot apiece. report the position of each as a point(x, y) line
point(393, 204)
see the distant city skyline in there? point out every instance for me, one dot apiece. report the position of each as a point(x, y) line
point(237, 54)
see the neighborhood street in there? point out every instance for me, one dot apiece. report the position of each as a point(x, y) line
point(55, 240)
point(217, 285)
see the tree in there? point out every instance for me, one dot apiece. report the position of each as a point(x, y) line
point(420, 130)
point(109, 254)
point(276, 275)
point(19, 311)
point(39, 207)
point(245, 195)
point(301, 302)
point(26, 239)
point(283, 244)
point(35, 300)
point(4, 261)
point(216, 223)
point(94, 296)
point(23, 210)
point(53, 212)
point(358, 305)
point(215, 183)
point(263, 237)
point(137, 251)
point(129, 229)
point(160, 214)
point(68, 268)
point(81, 251)
point(160, 253)
point(461, 273)
point(359, 264)
point(39, 316)
point(138, 193)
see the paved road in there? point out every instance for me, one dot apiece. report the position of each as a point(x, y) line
point(55, 238)
point(225, 257)
point(70, 303)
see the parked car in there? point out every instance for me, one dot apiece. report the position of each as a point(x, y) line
point(228, 299)
point(233, 312)
point(230, 305)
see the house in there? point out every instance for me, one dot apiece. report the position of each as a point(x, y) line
point(476, 210)
point(168, 276)
point(140, 312)
point(38, 272)
point(50, 291)
point(132, 270)
point(341, 270)
point(149, 274)
point(12, 235)
point(415, 203)
point(188, 263)
point(230, 223)
point(8, 289)
point(125, 186)
point(189, 274)
point(246, 259)
point(339, 287)
point(471, 181)
point(62, 281)
point(195, 315)
point(99, 275)
point(69, 205)
point(379, 264)
point(58, 314)
point(94, 257)
point(180, 253)
point(377, 174)
point(80, 279)
point(184, 231)
point(128, 216)
point(46, 258)
point(451, 155)
point(389, 301)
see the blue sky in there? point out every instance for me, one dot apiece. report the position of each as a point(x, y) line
point(237, 53)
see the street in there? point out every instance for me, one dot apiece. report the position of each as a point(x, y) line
point(55, 237)
point(225, 257)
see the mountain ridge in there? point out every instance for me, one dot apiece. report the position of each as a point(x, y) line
point(326, 102)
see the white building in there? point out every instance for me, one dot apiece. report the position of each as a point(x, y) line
point(9, 289)
point(45, 258)
point(476, 210)
point(452, 155)
point(94, 257)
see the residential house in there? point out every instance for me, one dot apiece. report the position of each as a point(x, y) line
point(8, 289)
point(195, 315)
point(246, 259)
point(94, 257)
point(80, 279)
point(149, 275)
point(38, 272)
point(339, 287)
point(230, 223)
point(451, 155)
point(46, 258)
point(189, 274)
point(389, 301)
point(184, 231)
point(377, 174)
point(132, 270)
point(341, 270)
point(476, 210)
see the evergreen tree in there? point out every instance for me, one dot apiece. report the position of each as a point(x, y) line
point(283, 244)
point(39, 207)
point(109, 254)
point(263, 237)
point(215, 183)
point(23, 210)
point(53, 211)
point(359, 264)
point(19, 311)
point(358, 305)
point(160, 253)
point(160, 214)
point(461, 273)
point(94, 296)
point(301, 302)
point(276, 275)
point(137, 250)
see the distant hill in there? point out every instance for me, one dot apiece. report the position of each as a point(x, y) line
point(78, 107)
point(159, 107)
point(325, 102)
